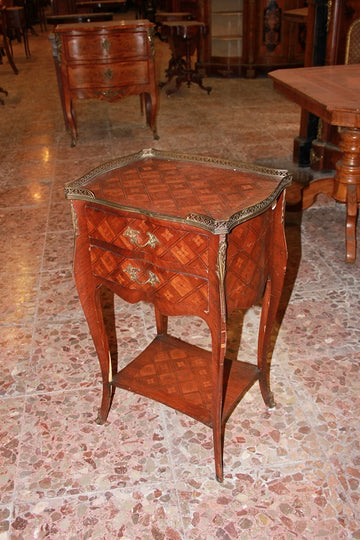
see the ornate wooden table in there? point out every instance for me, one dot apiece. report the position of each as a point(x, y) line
point(192, 236)
point(184, 39)
point(333, 94)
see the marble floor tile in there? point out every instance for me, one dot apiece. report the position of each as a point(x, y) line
point(148, 472)
point(64, 451)
point(15, 353)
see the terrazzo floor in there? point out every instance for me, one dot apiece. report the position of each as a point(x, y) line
point(148, 473)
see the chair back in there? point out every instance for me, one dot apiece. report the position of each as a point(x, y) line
point(352, 53)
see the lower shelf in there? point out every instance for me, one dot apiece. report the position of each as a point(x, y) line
point(179, 375)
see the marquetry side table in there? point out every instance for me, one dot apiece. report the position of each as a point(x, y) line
point(192, 236)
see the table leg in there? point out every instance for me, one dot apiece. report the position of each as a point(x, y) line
point(3, 92)
point(89, 295)
point(351, 219)
point(9, 55)
point(343, 187)
point(310, 192)
point(271, 301)
point(69, 117)
point(161, 322)
point(347, 184)
point(150, 102)
point(218, 331)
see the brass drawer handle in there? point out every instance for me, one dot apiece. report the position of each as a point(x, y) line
point(110, 94)
point(132, 234)
point(133, 272)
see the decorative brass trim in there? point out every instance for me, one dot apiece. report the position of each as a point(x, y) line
point(74, 220)
point(106, 45)
point(221, 265)
point(329, 13)
point(58, 43)
point(75, 190)
point(110, 94)
point(314, 158)
point(150, 36)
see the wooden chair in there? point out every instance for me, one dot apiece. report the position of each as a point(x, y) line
point(5, 46)
point(352, 54)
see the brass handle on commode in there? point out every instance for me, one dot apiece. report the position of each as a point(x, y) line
point(132, 234)
point(133, 272)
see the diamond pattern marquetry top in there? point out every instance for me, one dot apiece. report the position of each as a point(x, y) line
point(211, 193)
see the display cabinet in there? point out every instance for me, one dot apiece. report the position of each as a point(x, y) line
point(247, 37)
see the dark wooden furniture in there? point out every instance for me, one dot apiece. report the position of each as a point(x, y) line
point(3, 91)
point(333, 94)
point(67, 7)
point(297, 19)
point(328, 26)
point(105, 60)
point(75, 18)
point(192, 236)
point(97, 6)
point(315, 50)
point(184, 38)
point(249, 37)
point(162, 17)
point(17, 27)
point(5, 45)
point(191, 6)
point(63, 7)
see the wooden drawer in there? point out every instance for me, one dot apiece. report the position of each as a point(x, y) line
point(150, 240)
point(108, 75)
point(94, 46)
point(151, 281)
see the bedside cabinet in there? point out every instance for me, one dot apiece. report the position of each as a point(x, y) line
point(192, 236)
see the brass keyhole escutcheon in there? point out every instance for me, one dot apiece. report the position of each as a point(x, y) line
point(109, 74)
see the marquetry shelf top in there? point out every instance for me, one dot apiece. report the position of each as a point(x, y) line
point(214, 194)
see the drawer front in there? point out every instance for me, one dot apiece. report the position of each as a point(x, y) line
point(164, 245)
point(150, 281)
point(108, 75)
point(94, 46)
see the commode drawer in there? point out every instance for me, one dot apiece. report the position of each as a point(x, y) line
point(149, 240)
point(95, 46)
point(107, 75)
point(151, 281)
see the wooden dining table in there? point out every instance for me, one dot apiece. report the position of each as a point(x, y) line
point(333, 94)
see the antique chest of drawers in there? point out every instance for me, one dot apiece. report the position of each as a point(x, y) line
point(192, 236)
point(105, 60)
